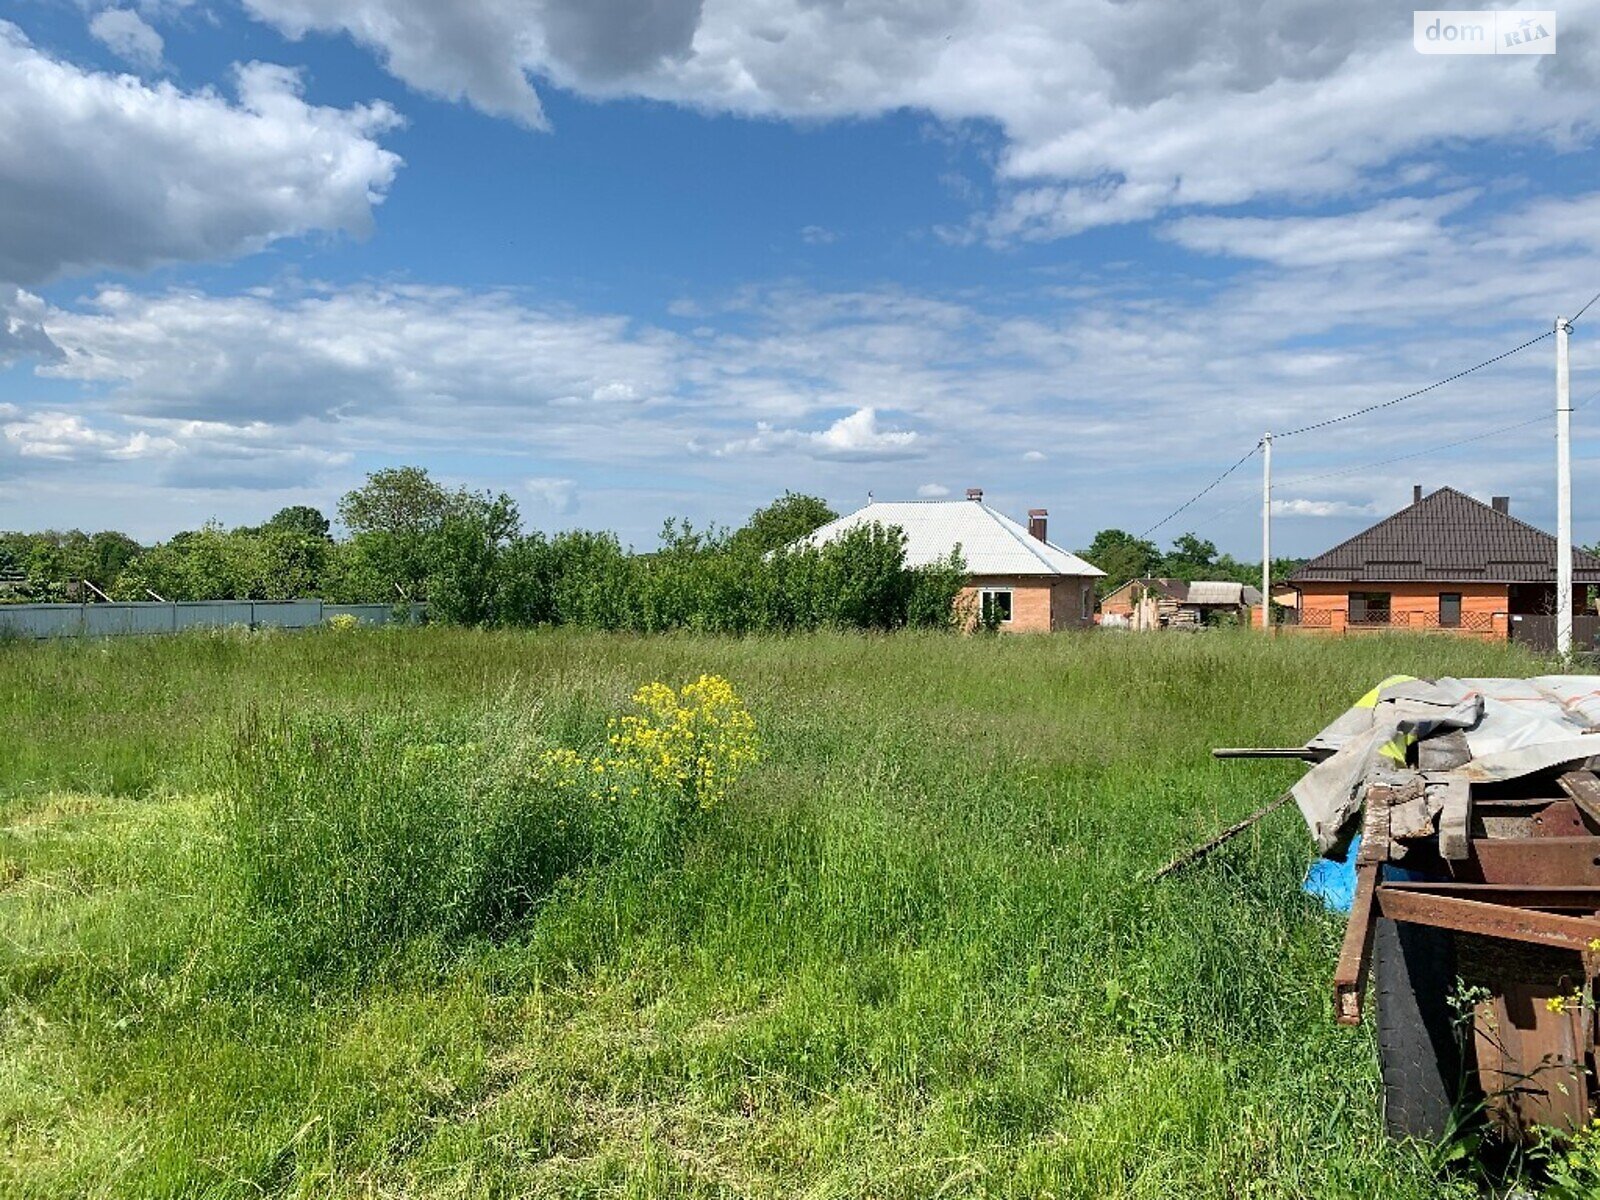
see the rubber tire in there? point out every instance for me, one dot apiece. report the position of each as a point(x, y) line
point(1419, 1048)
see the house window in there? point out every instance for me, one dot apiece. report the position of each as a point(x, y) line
point(1369, 608)
point(1449, 609)
point(1088, 602)
point(994, 604)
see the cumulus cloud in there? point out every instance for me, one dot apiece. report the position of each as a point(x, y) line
point(184, 454)
point(1109, 111)
point(99, 171)
point(22, 333)
point(932, 491)
point(126, 34)
point(67, 436)
point(857, 437)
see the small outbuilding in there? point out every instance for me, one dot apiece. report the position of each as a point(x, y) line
point(1156, 603)
point(1026, 581)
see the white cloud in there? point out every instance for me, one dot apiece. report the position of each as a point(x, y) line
point(125, 33)
point(1386, 230)
point(67, 436)
point(99, 171)
point(1109, 111)
point(441, 357)
point(1325, 508)
point(932, 491)
point(1033, 456)
point(856, 437)
point(818, 235)
point(560, 496)
point(21, 333)
point(789, 387)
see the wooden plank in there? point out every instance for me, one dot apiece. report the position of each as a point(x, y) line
point(1455, 821)
point(1355, 957)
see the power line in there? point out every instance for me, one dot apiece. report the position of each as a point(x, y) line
point(1248, 455)
point(1383, 462)
point(1371, 408)
point(1361, 412)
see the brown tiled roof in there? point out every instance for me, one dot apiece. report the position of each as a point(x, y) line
point(1449, 537)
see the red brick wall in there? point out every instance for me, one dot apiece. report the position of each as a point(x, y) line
point(1037, 605)
point(1325, 607)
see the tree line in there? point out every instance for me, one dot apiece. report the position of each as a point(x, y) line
point(408, 539)
point(1123, 556)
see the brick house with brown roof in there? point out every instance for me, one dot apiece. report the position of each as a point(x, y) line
point(1445, 562)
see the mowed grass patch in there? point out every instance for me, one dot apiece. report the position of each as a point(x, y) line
point(913, 952)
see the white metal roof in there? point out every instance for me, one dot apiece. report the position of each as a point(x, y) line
point(1209, 591)
point(991, 542)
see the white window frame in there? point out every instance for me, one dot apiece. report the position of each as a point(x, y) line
point(1088, 602)
point(1011, 602)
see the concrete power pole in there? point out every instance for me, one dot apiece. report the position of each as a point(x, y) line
point(1266, 533)
point(1563, 493)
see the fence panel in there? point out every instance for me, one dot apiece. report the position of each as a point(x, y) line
point(1537, 631)
point(367, 614)
point(156, 616)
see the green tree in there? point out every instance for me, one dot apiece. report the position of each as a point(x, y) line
point(300, 519)
point(864, 573)
point(1190, 558)
point(463, 555)
point(1122, 557)
point(400, 522)
point(785, 521)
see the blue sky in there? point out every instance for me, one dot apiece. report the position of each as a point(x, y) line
point(630, 260)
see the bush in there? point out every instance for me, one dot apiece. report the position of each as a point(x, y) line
point(343, 622)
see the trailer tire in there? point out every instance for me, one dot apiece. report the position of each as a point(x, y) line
point(1419, 1046)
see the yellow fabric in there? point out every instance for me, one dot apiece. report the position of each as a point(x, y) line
point(1370, 700)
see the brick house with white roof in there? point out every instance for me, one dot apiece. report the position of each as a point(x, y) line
point(1033, 585)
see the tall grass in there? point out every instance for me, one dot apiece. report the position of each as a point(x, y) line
point(357, 835)
point(911, 954)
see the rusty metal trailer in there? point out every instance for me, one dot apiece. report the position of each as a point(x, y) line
point(1483, 932)
point(1473, 810)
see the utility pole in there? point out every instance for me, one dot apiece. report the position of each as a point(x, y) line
point(1266, 533)
point(1563, 493)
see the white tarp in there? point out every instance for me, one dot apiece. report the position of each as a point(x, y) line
point(1512, 727)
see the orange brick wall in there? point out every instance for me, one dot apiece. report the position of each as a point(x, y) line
point(1326, 607)
point(1037, 605)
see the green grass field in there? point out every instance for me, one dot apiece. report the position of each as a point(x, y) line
point(911, 955)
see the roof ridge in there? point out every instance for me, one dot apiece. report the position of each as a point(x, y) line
point(1481, 531)
point(1021, 535)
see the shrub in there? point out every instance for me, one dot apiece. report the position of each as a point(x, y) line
point(343, 622)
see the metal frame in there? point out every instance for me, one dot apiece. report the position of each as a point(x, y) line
point(1519, 871)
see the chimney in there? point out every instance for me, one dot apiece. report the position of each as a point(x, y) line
point(1501, 504)
point(975, 494)
point(1416, 493)
point(1036, 518)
